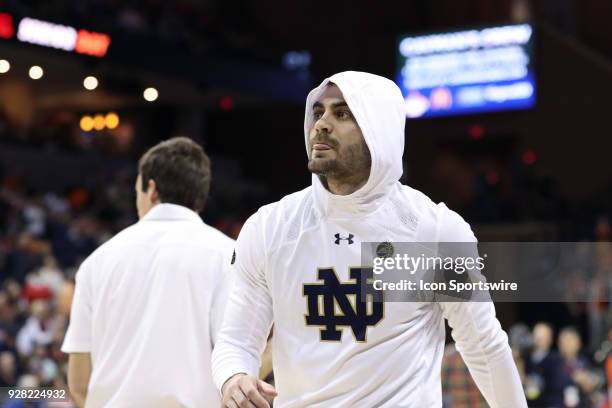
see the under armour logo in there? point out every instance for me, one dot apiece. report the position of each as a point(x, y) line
point(339, 238)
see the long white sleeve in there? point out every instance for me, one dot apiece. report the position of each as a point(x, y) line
point(478, 334)
point(484, 348)
point(248, 317)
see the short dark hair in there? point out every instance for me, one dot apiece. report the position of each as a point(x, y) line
point(181, 171)
point(569, 330)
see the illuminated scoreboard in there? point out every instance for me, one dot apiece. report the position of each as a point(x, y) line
point(466, 72)
point(53, 35)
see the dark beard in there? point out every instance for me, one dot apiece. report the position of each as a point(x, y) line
point(353, 160)
point(323, 167)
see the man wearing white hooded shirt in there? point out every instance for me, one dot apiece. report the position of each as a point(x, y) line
point(354, 130)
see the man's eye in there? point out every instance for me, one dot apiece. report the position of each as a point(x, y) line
point(343, 114)
point(317, 115)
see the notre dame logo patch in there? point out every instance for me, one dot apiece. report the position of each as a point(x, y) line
point(331, 309)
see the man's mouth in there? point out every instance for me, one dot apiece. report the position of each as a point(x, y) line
point(321, 146)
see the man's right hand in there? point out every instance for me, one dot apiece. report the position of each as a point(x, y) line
point(245, 391)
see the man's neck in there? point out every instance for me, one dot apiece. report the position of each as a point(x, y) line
point(345, 186)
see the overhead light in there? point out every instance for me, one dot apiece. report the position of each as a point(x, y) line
point(112, 120)
point(87, 123)
point(6, 26)
point(150, 94)
point(36, 72)
point(226, 103)
point(4, 66)
point(99, 122)
point(529, 157)
point(90, 83)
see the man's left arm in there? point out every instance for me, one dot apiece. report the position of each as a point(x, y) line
point(79, 371)
point(484, 348)
point(77, 341)
point(478, 334)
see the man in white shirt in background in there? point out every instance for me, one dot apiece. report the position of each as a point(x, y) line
point(149, 302)
point(295, 267)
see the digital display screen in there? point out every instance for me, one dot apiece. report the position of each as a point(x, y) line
point(61, 37)
point(466, 72)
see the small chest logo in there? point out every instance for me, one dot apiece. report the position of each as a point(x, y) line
point(385, 250)
point(348, 239)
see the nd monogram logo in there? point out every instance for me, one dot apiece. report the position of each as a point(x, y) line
point(331, 293)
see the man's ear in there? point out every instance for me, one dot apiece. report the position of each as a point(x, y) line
point(152, 191)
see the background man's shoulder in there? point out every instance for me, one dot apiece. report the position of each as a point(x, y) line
point(216, 240)
point(280, 212)
point(115, 241)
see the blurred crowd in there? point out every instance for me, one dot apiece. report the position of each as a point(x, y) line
point(560, 376)
point(43, 239)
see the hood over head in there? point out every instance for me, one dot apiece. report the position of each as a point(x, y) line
point(378, 107)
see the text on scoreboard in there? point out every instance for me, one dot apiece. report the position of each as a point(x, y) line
point(466, 72)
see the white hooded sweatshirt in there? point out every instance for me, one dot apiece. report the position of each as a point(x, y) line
point(282, 247)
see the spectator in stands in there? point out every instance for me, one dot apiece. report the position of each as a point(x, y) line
point(8, 369)
point(8, 315)
point(576, 365)
point(546, 379)
point(37, 330)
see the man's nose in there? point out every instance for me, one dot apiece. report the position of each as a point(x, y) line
point(323, 125)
